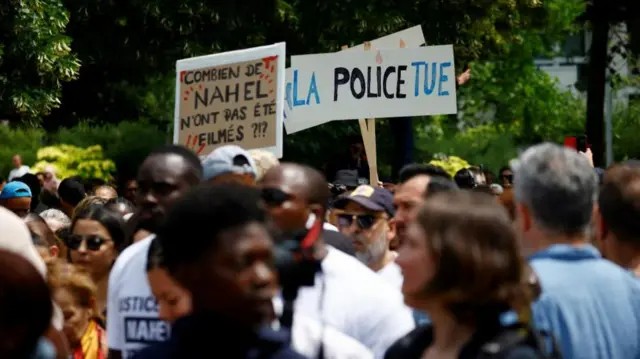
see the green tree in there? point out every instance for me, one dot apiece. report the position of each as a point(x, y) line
point(35, 57)
point(68, 161)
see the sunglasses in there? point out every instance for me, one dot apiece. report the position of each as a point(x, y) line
point(274, 197)
point(364, 221)
point(509, 178)
point(93, 243)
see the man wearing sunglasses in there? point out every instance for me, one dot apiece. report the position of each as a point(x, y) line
point(506, 177)
point(364, 217)
point(355, 300)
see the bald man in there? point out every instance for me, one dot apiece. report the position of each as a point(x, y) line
point(355, 300)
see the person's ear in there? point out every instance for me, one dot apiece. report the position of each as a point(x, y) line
point(54, 251)
point(523, 215)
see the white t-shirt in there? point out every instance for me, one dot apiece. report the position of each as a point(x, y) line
point(356, 302)
point(392, 274)
point(18, 172)
point(132, 310)
point(307, 334)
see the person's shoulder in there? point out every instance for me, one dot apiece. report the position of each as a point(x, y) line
point(275, 344)
point(286, 353)
point(411, 345)
point(136, 251)
point(359, 277)
point(521, 352)
point(339, 241)
point(154, 351)
point(307, 334)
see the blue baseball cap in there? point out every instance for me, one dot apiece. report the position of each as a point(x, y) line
point(15, 189)
point(372, 198)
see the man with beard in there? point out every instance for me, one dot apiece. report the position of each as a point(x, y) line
point(132, 311)
point(354, 300)
point(364, 217)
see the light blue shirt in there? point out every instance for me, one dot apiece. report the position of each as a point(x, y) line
point(591, 305)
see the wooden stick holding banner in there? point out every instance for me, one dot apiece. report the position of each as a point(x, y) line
point(368, 132)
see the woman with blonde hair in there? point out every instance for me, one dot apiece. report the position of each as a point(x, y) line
point(75, 293)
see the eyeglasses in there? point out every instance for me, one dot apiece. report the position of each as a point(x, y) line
point(93, 243)
point(275, 197)
point(364, 221)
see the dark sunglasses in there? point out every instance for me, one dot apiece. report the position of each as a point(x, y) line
point(364, 221)
point(509, 178)
point(93, 243)
point(274, 197)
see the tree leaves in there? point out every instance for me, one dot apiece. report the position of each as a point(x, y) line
point(35, 58)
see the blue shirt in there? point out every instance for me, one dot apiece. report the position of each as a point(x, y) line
point(591, 305)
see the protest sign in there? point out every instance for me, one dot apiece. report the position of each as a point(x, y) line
point(234, 97)
point(374, 84)
point(412, 37)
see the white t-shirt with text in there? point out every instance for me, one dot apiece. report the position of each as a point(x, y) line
point(354, 300)
point(132, 310)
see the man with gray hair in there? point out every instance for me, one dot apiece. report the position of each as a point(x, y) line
point(591, 305)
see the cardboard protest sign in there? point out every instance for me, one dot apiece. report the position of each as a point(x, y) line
point(374, 84)
point(231, 98)
point(412, 37)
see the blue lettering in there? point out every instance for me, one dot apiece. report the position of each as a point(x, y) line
point(429, 83)
point(434, 73)
point(417, 64)
point(287, 96)
point(313, 90)
point(443, 78)
point(296, 102)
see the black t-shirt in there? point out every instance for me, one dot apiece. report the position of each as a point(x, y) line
point(413, 345)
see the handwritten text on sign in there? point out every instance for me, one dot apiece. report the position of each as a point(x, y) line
point(229, 104)
point(373, 84)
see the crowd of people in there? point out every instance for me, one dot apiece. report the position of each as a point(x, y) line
point(236, 255)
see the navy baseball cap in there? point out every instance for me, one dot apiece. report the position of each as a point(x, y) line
point(228, 159)
point(15, 189)
point(372, 198)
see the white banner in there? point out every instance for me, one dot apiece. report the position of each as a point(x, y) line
point(411, 37)
point(373, 84)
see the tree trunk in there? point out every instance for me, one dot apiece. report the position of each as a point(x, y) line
point(402, 132)
point(596, 80)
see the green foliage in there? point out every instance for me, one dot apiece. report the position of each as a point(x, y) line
point(22, 141)
point(127, 143)
point(451, 164)
point(35, 57)
point(68, 161)
point(488, 145)
point(626, 126)
point(531, 98)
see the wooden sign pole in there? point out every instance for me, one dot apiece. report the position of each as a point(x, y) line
point(368, 132)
